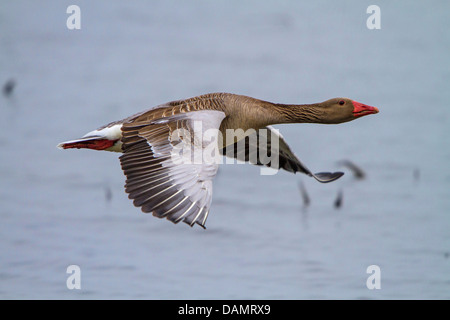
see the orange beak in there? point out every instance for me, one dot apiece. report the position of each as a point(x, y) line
point(361, 109)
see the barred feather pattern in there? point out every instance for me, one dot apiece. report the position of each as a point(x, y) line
point(157, 179)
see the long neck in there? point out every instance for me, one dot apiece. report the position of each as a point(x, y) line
point(297, 113)
point(246, 112)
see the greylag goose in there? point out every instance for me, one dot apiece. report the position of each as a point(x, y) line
point(153, 146)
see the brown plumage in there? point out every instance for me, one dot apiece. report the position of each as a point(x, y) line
point(160, 181)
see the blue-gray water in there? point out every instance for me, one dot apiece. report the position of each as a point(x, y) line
point(260, 242)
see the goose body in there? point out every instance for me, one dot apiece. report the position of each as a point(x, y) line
point(161, 181)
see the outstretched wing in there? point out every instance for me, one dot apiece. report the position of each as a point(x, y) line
point(262, 147)
point(164, 174)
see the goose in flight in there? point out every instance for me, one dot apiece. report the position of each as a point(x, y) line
point(156, 143)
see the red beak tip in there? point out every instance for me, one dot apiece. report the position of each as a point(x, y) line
point(361, 109)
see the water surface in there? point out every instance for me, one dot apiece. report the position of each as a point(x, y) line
point(60, 208)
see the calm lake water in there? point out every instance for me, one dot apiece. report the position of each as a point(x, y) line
point(61, 208)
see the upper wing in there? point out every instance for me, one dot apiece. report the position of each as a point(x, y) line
point(261, 148)
point(162, 177)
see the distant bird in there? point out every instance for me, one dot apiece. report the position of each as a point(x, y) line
point(156, 179)
point(8, 87)
point(304, 194)
point(358, 173)
point(416, 174)
point(339, 199)
point(108, 194)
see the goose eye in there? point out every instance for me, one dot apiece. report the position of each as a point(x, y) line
point(341, 102)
